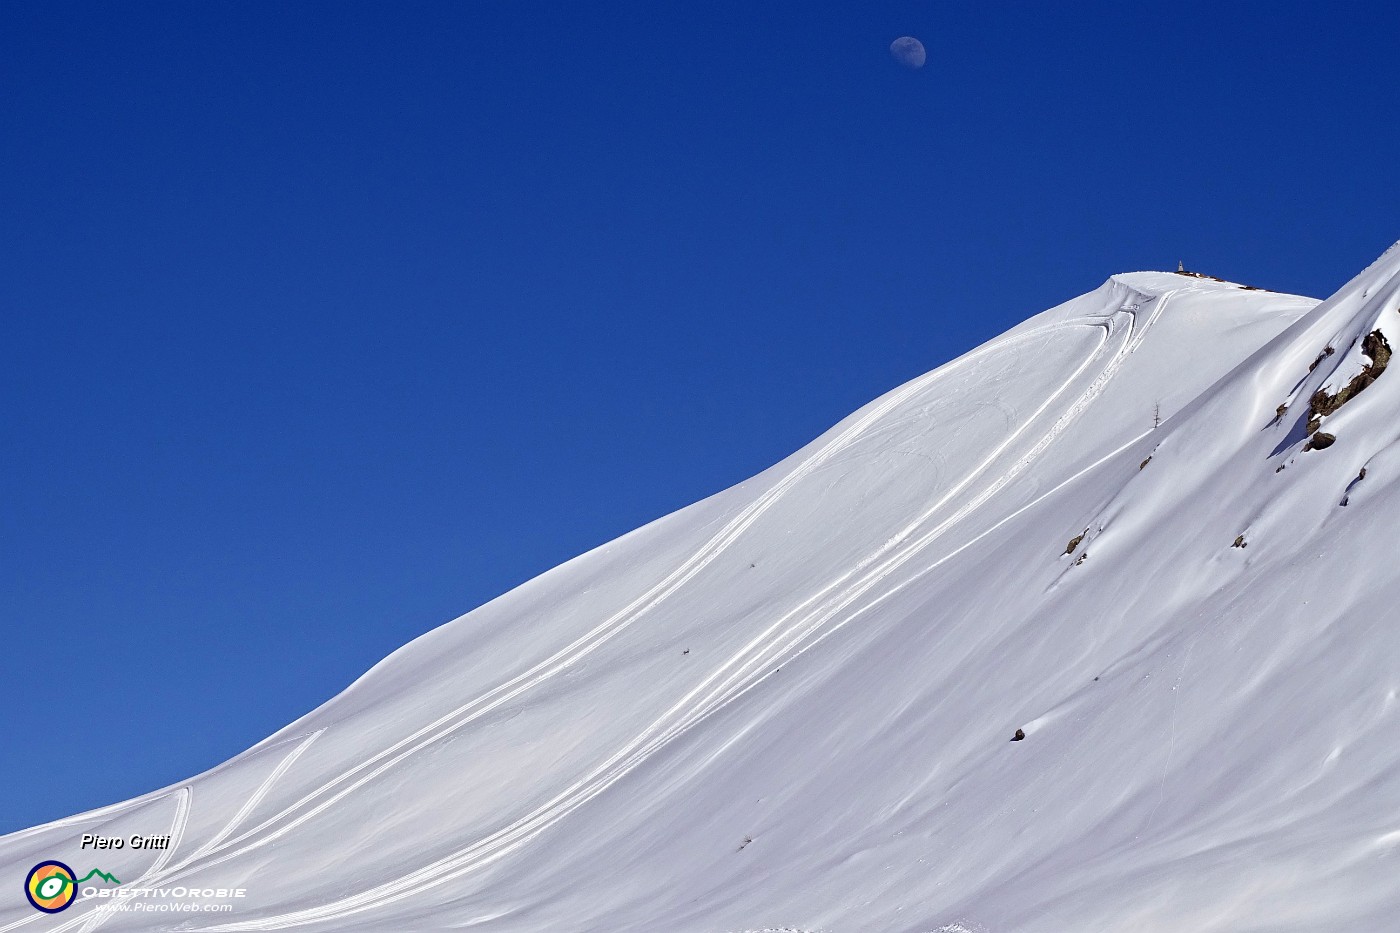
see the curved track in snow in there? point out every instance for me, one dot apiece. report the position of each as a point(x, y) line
point(796, 631)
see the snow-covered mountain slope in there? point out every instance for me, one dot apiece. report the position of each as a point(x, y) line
point(790, 706)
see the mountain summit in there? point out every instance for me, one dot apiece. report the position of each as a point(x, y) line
point(1085, 630)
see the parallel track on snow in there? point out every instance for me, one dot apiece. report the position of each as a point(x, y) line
point(782, 639)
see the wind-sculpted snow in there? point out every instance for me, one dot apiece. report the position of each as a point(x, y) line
point(789, 707)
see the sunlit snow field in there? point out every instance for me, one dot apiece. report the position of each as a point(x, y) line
point(790, 706)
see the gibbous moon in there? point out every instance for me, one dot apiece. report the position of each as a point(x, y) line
point(908, 51)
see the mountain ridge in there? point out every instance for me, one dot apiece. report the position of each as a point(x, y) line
point(789, 705)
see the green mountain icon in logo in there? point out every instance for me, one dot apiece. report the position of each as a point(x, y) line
point(110, 879)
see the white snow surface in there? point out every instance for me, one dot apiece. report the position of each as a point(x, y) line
point(789, 707)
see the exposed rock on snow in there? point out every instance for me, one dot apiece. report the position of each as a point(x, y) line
point(1323, 403)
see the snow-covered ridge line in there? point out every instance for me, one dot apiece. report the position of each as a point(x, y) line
point(735, 677)
point(793, 701)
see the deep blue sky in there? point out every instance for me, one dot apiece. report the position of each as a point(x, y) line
point(325, 323)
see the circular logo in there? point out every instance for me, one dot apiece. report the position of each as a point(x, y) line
point(50, 887)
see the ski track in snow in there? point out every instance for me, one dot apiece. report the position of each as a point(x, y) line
point(94, 918)
point(580, 648)
point(158, 870)
point(252, 801)
point(223, 849)
point(751, 665)
point(158, 874)
point(97, 916)
point(90, 816)
point(894, 590)
point(745, 669)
